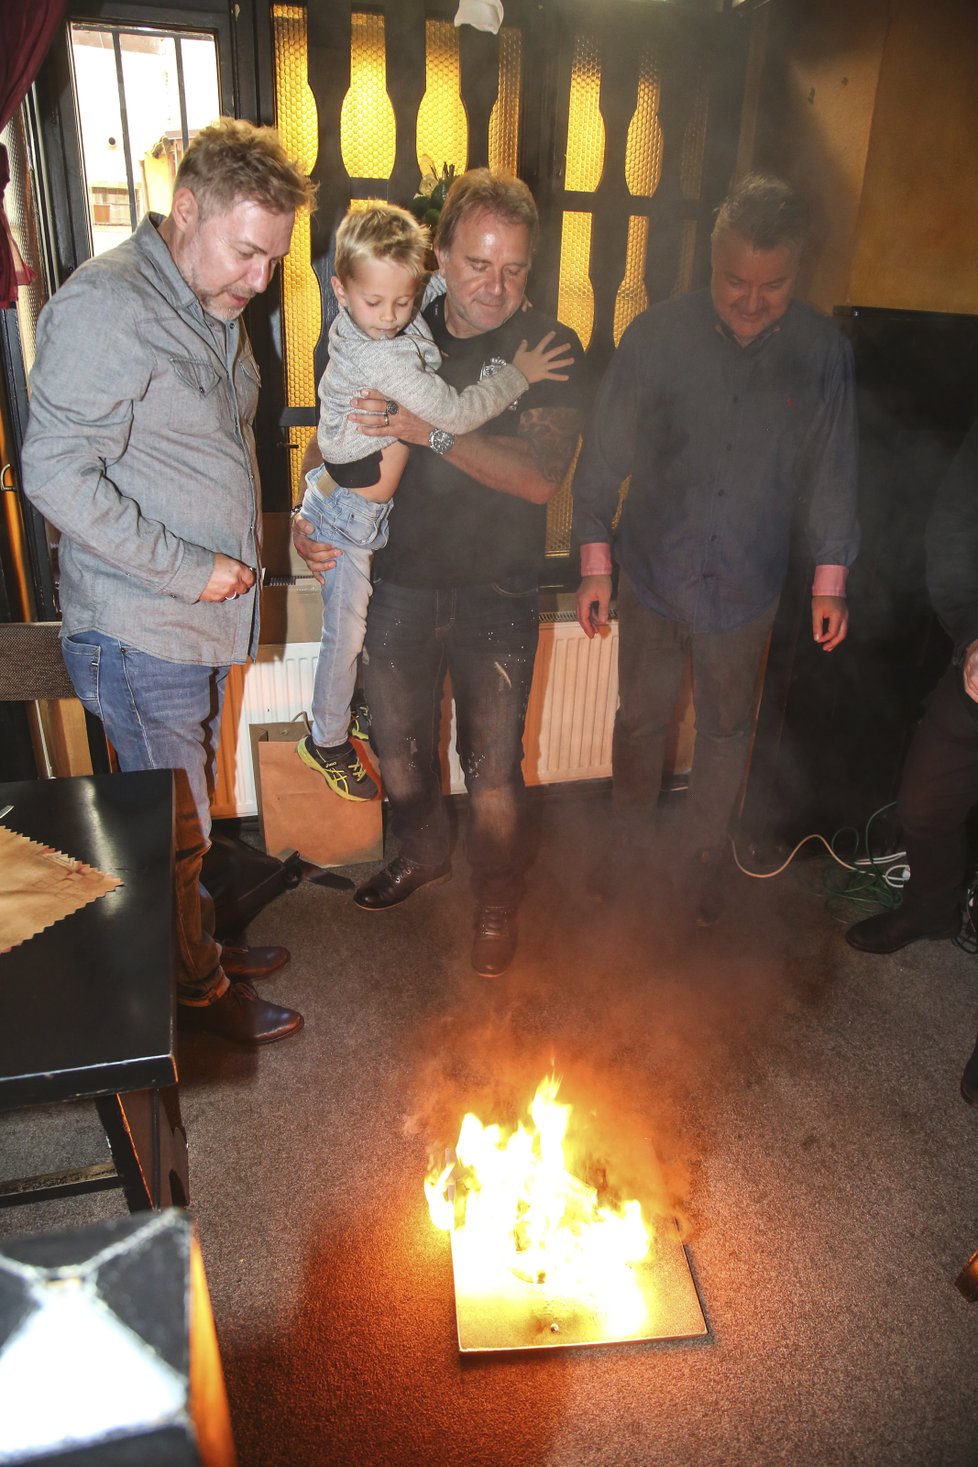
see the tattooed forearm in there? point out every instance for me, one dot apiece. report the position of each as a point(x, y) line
point(550, 435)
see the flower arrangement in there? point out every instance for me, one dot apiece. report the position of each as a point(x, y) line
point(427, 202)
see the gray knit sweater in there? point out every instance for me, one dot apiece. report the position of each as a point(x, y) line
point(405, 369)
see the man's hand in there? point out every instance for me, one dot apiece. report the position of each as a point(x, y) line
point(229, 578)
point(318, 557)
point(971, 671)
point(593, 601)
point(373, 421)
point(830, 621)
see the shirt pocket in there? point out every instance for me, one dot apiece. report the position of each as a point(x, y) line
point(197, 404)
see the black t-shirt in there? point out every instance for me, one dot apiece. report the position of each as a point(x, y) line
point(445, 528)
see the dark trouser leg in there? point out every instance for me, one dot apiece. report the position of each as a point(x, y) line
point(491, 650)
point(651, 657)
point(725, 668)
point(404, 673)
point(938, 788)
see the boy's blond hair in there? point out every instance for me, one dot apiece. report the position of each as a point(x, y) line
point(381, 232)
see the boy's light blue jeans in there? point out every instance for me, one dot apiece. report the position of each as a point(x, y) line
point(164, 715)
point(358, 527)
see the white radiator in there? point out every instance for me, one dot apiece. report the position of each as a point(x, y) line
point(568, 724)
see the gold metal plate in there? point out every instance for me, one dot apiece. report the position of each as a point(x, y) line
point(507, 1313)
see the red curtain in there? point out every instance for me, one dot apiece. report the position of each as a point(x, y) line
point(27, 28)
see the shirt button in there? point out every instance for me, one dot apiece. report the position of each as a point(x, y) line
point(721, 493)
point(729, 447)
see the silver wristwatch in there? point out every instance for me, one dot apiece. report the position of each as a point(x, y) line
point(439, 441)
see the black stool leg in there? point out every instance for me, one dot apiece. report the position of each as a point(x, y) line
point(149, 1146)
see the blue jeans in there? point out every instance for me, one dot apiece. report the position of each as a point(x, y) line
point(484, 638)
point(164, 715)
point(358, 527)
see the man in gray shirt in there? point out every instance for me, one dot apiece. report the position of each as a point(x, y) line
point(140, 450)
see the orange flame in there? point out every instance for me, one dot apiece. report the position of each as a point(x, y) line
point(517, 1210)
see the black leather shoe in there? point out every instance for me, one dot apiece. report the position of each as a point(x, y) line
point(888, 932)
point(969, 1080)
point(395, 883)
point(240, 1015)
point(494, 945)
point(252, 962)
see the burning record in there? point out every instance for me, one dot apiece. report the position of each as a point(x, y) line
point(539, 1259)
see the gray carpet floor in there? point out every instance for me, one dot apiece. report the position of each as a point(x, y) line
point(801, 1100)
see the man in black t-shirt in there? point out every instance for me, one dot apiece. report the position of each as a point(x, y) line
point(456, 588)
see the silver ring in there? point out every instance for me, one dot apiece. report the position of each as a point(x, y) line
point(386, 421)
point(233, 596)
point(390, 409)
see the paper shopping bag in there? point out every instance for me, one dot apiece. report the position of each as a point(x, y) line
point(297, 809)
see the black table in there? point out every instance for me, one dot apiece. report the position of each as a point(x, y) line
point(87, 1005)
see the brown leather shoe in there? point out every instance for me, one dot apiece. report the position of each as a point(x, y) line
point(240, 1015)
point(252, 962)
point(494, 945)
point(395, 883)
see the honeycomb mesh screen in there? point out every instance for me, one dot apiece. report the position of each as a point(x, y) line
point(575, 297)
point(585, 126)
point(296, 117)
point(643, 147)
point(687, 246)
point(504, 121)
point(632, 297)
point(694, 145)
point(443, 135)
point(367, 126)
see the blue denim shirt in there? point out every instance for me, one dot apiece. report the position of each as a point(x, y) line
point(724, 444)
point(140, 450)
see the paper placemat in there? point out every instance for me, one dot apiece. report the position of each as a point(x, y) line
point(39, 886)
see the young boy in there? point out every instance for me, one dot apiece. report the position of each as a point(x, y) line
point(378, 340)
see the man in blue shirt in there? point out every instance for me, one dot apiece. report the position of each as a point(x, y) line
point(728, 408)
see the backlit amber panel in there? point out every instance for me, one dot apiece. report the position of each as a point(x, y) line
point(643, 147)
point(367, 137)
point(504, 120)
point(694, 145)
point(295, 115)
point(443, 134)
point(575, 298)
point(585, 125)
point(684, 272)
point(560, 514)
point(632, 297)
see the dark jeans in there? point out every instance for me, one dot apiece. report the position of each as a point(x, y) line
point(937, 791)
point(484, 638)
point(652, 653)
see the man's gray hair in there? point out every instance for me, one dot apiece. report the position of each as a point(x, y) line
point(766, 212)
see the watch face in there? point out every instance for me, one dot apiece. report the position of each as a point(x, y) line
point(440, 441)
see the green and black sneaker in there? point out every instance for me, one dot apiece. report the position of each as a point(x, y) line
point(360, 723)
point(340, 768)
